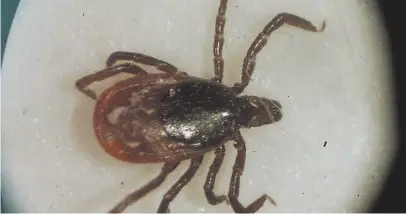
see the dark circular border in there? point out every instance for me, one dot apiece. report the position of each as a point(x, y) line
point(391, 198)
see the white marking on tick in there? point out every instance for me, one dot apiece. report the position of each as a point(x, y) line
point(113, 116)
point(132, 144)
point(225, 114)
point(171, 92)
point(163, 133)
point(253, 104)
point(150, 111)
point(144, 90)
point(135, 98)
point(109, 136)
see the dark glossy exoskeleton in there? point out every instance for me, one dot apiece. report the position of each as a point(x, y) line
point(169, 117)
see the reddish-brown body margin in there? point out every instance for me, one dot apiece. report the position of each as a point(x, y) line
point(137, 135)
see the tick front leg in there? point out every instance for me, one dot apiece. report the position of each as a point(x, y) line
point(211, 178)
point(238, 169)
point(142, 59)
point(85, 81)
point(219, 42)
point(177, 187)
point(261, 40)
point(153, 184)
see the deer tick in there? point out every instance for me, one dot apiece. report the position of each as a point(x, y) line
point(169, 117)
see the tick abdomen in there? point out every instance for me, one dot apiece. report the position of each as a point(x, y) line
point(127, 121)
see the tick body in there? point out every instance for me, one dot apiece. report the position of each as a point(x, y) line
point(164, 117)
point(170, 117)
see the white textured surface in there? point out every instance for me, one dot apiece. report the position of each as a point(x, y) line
point(333, 87)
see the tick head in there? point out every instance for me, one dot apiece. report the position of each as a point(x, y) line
point(258, 111)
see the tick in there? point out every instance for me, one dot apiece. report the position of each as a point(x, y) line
point(169, 117)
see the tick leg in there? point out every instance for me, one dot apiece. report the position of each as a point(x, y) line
point(219, 42)
point(139, 193)
point(261, 40)
point(177, 187)
point(85, 81)
point(238, 169)
point(142, 59)
point(211, 178)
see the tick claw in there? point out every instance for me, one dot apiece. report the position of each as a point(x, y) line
point(270, 199)
point(323, 26)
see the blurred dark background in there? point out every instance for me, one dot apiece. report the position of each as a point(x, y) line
point(392, 196)
point(391, 199)
point(8, 9)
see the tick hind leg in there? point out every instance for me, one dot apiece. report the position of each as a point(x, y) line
point(85, 81)
point(139, 193)
point(238, 169)
point(218, 43)
point(177, 187)
point(261, 40)
point(142, 59)
point(211, 178)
